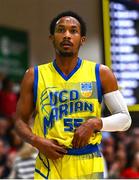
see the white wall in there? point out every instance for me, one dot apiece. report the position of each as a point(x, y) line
point(34, 16)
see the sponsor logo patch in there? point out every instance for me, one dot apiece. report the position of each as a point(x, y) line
point(86, 89)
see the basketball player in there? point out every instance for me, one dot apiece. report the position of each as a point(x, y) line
point(66, 95)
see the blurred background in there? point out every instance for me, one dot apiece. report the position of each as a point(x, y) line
point(112, 39)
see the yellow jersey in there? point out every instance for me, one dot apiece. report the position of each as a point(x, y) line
point(65, 102)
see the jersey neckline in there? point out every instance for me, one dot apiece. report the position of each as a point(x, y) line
point(66, 78)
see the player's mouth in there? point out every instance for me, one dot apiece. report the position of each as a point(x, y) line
point(66, 44)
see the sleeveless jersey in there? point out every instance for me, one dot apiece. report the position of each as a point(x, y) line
point(65, 102)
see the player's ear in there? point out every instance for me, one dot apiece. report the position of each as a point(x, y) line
point(83, 39)
point(51, 37)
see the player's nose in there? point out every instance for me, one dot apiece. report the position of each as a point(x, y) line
point(67, 34)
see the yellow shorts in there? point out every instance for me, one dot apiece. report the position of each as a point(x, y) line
point(84, 163)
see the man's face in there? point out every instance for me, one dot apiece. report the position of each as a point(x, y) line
point(67, 37)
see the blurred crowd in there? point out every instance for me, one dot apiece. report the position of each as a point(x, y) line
point(121, 153)
point(17, 159)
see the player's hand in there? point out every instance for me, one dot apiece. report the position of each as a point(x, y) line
point(50, 148)
point(85, 131)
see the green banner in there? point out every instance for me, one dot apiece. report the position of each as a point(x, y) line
point(14, 53)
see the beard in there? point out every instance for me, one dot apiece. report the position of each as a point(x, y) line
point(66, 54)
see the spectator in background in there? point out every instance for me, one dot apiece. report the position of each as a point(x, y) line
point(8, 135)
point(24, 164)
point(4, 169)
point(121, 152)
point(108, 150)
point(4, 127)
point(118, 164)
point(8, 98)
point(133, 146)
point(133, 170)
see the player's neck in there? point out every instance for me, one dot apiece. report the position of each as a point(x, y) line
point(66, 64)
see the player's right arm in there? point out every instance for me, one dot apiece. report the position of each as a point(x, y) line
point(24, 111)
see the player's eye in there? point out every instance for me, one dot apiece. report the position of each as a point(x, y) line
point(60, 30)
point(73, 31)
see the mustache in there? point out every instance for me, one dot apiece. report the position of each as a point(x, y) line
point(66, 42)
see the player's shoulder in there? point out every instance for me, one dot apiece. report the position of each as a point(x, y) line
point(29, 72)
point(104, 70)
point(28, 78)
point(108, 79)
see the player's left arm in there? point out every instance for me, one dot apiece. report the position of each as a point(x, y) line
point(120, 119)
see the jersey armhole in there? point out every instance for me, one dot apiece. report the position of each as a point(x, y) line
point(98, 81)
point(35, 87)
